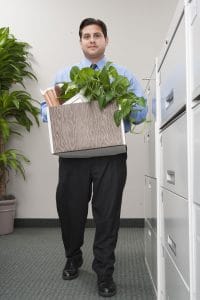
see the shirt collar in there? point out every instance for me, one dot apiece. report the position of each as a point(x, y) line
point(87, 63)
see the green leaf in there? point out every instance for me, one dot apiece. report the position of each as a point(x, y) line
point(141, 101)
point(4, 129)
point(105, 80)
point(109, 96)
point(117, 117)
point(102, 101)
point(86, 74)
point(113, 72)
point(74, 71)
point(12, 159)
point(125, 108)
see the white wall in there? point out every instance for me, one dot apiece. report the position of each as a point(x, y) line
point(136, 31)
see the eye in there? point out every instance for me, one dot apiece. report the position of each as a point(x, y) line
point(86, 36)
point(97, 35)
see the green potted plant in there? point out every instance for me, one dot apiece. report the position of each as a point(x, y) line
point(104, 86)
point(17, 110)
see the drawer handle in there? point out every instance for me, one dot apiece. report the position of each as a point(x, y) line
point(171, 176)
point(171, 244)
point(169, 99)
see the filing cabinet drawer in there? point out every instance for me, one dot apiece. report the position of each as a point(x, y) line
point(174, 157)
point(151, 252)
point(175, 287)
point(150, 94)
point(195, 48)
point(147, 199)
point(197, 266)
point(197, 220)
point(149, 135)
point(176, 226)
point(149, 139)
point(176, 230)
point(196, 153)
point(152, 161)
point(150, 202)
point(173, 76)
point(197, 250)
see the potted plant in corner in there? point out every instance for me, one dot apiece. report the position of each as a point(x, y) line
point(17, 110)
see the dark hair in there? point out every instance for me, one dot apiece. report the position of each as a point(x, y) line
point(92, 21)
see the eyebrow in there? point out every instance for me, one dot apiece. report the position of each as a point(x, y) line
point(93, 33)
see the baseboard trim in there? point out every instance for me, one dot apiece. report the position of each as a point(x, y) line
point(22, 222)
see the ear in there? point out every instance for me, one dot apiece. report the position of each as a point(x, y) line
point(80, 41)
point(107, 40)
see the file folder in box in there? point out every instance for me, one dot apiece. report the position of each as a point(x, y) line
point(83, 130)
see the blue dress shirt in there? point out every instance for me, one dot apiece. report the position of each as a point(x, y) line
point(139, 113)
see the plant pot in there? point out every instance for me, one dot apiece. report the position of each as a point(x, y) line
point(7, 214)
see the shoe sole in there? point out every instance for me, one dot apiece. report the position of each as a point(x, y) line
point(71, 277)
point(107, 295)
point(74, 276)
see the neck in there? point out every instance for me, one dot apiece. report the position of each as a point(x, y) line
point(95, 60)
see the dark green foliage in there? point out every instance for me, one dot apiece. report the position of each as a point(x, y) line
point(14, 65)
point(17, 107)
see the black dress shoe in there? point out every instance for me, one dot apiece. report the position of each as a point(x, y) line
point(71, 269)
point(107, 287)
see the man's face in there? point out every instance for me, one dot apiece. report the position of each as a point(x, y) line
point(93, 42)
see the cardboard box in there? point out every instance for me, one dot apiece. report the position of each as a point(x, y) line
point(83, 130)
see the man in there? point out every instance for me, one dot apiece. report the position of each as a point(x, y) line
point(102, 177)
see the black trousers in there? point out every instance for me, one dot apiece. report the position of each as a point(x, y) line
point(101, 180)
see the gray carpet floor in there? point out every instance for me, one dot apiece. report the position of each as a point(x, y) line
point(32, 259)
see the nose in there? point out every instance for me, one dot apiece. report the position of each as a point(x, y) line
point(92, 39)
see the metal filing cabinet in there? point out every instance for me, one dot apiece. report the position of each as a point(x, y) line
point(177, 160)
point(174, 157)
point(172, 163)
point(151, 252)
point(150, 149)
point(149, 135)
point(173, 75)
point(178, 157)
point(194, 50)
point(196, 195)
point(196, 147)
point(197, 251)
point(197, 267)
point(176, 226)
point(194, 14)
point(150, 202)
point(175, 287)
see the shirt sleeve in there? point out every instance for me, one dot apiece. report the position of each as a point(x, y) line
point(62, 76)
point(138, 112)
point(43, 111)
